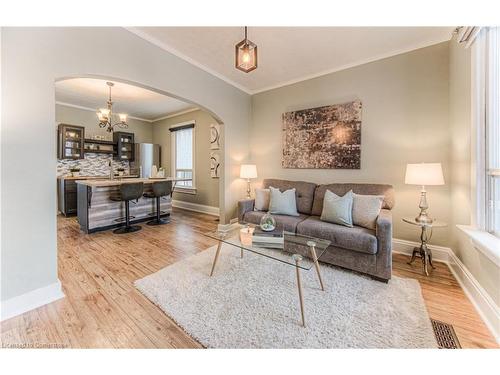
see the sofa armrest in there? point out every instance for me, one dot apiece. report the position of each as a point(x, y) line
point(384, 239)
point(244, 206)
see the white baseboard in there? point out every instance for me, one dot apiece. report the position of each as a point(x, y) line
point(227, 227)
point(484, 304)
point(210, 210)
point(31, 300)
point(480, 299)
point(439, 253)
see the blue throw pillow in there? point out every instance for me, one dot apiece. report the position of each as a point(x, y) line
point(337, 210)
point(283, 203)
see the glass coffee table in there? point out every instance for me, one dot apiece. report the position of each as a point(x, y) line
point(298, 251)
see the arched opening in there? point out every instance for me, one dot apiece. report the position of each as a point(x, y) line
point(215, 119)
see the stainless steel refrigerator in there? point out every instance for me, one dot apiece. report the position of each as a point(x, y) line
point(146, 155)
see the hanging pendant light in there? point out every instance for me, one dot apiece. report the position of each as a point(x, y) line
point(105, 115)
point(246, 55)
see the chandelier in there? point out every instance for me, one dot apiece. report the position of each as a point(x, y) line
point(246, 55)
point(105, 115)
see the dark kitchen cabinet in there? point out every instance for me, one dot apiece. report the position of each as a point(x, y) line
point(66, 196)
point(124, 143)
point(70, 141)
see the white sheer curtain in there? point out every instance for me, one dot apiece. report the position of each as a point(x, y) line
point(184, 156)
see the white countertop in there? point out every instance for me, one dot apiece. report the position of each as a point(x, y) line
point(104, 177)
point(118, 181)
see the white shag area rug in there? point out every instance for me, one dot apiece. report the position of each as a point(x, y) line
point(253, 303)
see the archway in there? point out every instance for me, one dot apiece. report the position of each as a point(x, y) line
point(171, 95)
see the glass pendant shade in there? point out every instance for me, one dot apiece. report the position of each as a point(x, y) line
point(101, 117)
point(246, 55)
point(104, 112)
point(123, 117)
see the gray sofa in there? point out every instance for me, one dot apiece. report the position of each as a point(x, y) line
point(359, 249)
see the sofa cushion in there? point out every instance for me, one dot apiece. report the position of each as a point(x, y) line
point(340, 189)
point(365, 209)
point(289, 223)
point(283, 203)
point(304, 192)
point(262, 197)
point(337, 210)
point(355, 238)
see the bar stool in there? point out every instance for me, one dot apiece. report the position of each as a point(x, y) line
point(160, 189)
point(128, 192)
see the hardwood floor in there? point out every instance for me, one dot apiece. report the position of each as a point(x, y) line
point(103, 309)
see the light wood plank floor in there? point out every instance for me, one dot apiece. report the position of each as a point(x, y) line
point(103, 309)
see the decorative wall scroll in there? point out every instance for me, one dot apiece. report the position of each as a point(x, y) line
point(215, 164)
point(214, 137)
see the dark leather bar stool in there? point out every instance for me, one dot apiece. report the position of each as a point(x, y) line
point(128, 192)
point(160, 189)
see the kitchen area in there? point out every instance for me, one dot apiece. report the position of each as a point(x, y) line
point(91, 171)
point(130, 147)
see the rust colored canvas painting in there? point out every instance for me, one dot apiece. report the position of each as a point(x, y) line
point(323, 138)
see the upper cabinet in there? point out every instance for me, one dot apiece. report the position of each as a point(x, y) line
point(124, 142)
point(71, 140)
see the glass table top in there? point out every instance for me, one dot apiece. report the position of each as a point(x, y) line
point(434, 224)
point(294, 246)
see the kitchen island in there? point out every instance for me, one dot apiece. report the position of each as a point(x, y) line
point(97, 212)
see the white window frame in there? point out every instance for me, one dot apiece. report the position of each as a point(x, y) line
point(173, 147)
point(484, 113)
point(492, 129)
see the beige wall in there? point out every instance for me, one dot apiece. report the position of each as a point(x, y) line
point(143, 130)
point(32, 59)
point(207, 188)
point(404, 120)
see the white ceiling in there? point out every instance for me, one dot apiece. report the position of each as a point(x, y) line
point(135, 101)
point(289, 54)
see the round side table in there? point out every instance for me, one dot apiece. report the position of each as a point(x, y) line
point(424, 252)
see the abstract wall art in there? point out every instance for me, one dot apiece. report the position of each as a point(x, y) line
point(323, 138)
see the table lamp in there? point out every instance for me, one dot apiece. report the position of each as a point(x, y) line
point(248, 171)
point(424, 174)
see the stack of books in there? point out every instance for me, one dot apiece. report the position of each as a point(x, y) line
point(272, 239)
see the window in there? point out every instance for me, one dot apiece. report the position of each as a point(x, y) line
point(492, 131)
point(486, 118)
point(182, 136)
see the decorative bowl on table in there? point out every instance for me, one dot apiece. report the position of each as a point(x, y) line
point(268, 223)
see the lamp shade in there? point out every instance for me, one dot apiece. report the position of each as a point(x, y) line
point(248, 171)
point(424, 174)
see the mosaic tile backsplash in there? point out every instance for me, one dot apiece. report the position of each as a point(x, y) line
point(92, 165)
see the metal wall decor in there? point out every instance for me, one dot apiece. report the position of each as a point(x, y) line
point(214, 136)
point(215, 142)
point(215, 164)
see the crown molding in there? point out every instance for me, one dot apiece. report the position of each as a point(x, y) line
point(175, 52)
point(133, 117)
point(176, 114)
point(188, 59)
point(382, 56)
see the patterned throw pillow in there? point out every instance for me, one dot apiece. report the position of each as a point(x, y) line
point(337, 210)
point(365, 210)
point(283, 203)
point(262, 198)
